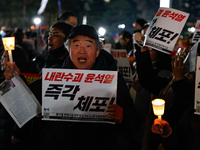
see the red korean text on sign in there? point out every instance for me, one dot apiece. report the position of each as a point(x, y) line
point(78, 77)
point(113, 54)
point(108, 78)
point(89, 78)
point(167, 13)
point(198, 26)
point(99, 78)
point(51, 76)
point(159, 12)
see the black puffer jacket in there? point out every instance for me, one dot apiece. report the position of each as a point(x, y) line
point(56, 56)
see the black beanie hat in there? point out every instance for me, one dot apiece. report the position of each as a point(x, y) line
point(84, 30)
point(141, 22)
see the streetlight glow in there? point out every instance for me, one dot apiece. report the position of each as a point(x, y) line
point(37, 21)
point(192, 29)
point(121, 26)
point(165, 3)
point(102, 31)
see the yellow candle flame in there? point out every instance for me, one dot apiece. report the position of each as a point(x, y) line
point(158, 106)
point(9, 43)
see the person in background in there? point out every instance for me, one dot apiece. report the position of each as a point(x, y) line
point(6, 121)
point(125, 41)
point(3, 31)
point(138, 24)
point(57, 53)
point(68, 17)
point(178, 95)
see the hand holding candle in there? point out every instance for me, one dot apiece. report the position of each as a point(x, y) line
point(158, 107)
point(9, 44)
point(160, 126)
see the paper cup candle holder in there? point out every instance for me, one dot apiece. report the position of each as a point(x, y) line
point(9, 45)
point(158, 107)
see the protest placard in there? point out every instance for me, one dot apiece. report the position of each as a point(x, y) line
point(123, 65)
point(197, 88)
point(165, 29)
point(107, 47)
point(196, 34)
point(78, 95)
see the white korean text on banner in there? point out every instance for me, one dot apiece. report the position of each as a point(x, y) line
point(197, 88)
point(78, 95)
point(123, 65)
point(196, 34)
point(165, 29)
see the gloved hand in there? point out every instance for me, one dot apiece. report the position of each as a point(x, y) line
point(163, 128)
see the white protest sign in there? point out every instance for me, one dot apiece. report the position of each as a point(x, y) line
point(197, 88)
point(107, 47)
point(78, 95)
point(165, 29)
point(123, 65)
point(196, 34)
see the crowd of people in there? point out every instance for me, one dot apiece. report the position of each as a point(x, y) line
point(155, 75)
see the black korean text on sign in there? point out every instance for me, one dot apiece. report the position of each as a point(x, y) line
point(125, 71)
point(66, 93)
point(90, 104)
point(163, 35)
point(54, 90)
point(84, 103)
point(167, 13)
point(196, 36)
point(99, 104)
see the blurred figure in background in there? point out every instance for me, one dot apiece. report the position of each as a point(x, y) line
point(68, 17)
point(125, 41)
point(138, 24)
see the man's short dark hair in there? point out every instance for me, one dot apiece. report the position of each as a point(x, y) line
point(125, 34)
point(65, 16)
point(65, 28)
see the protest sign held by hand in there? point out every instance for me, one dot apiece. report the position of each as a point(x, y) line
point(165, 29)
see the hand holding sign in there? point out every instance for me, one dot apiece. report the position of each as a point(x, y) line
point(165, 29)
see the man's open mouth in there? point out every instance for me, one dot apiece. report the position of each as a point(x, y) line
point(82, 59)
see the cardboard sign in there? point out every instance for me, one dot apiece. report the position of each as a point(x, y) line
point(107, 47)
point(123, 65)
point(197, 88)
point(196, 34)
point(165, 29)
point(78, 95)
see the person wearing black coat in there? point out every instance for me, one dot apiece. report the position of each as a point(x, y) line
point(84, 53)
point(178, 93)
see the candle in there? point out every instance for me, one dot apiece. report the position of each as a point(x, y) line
point(9, 44)
point(158, 107)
